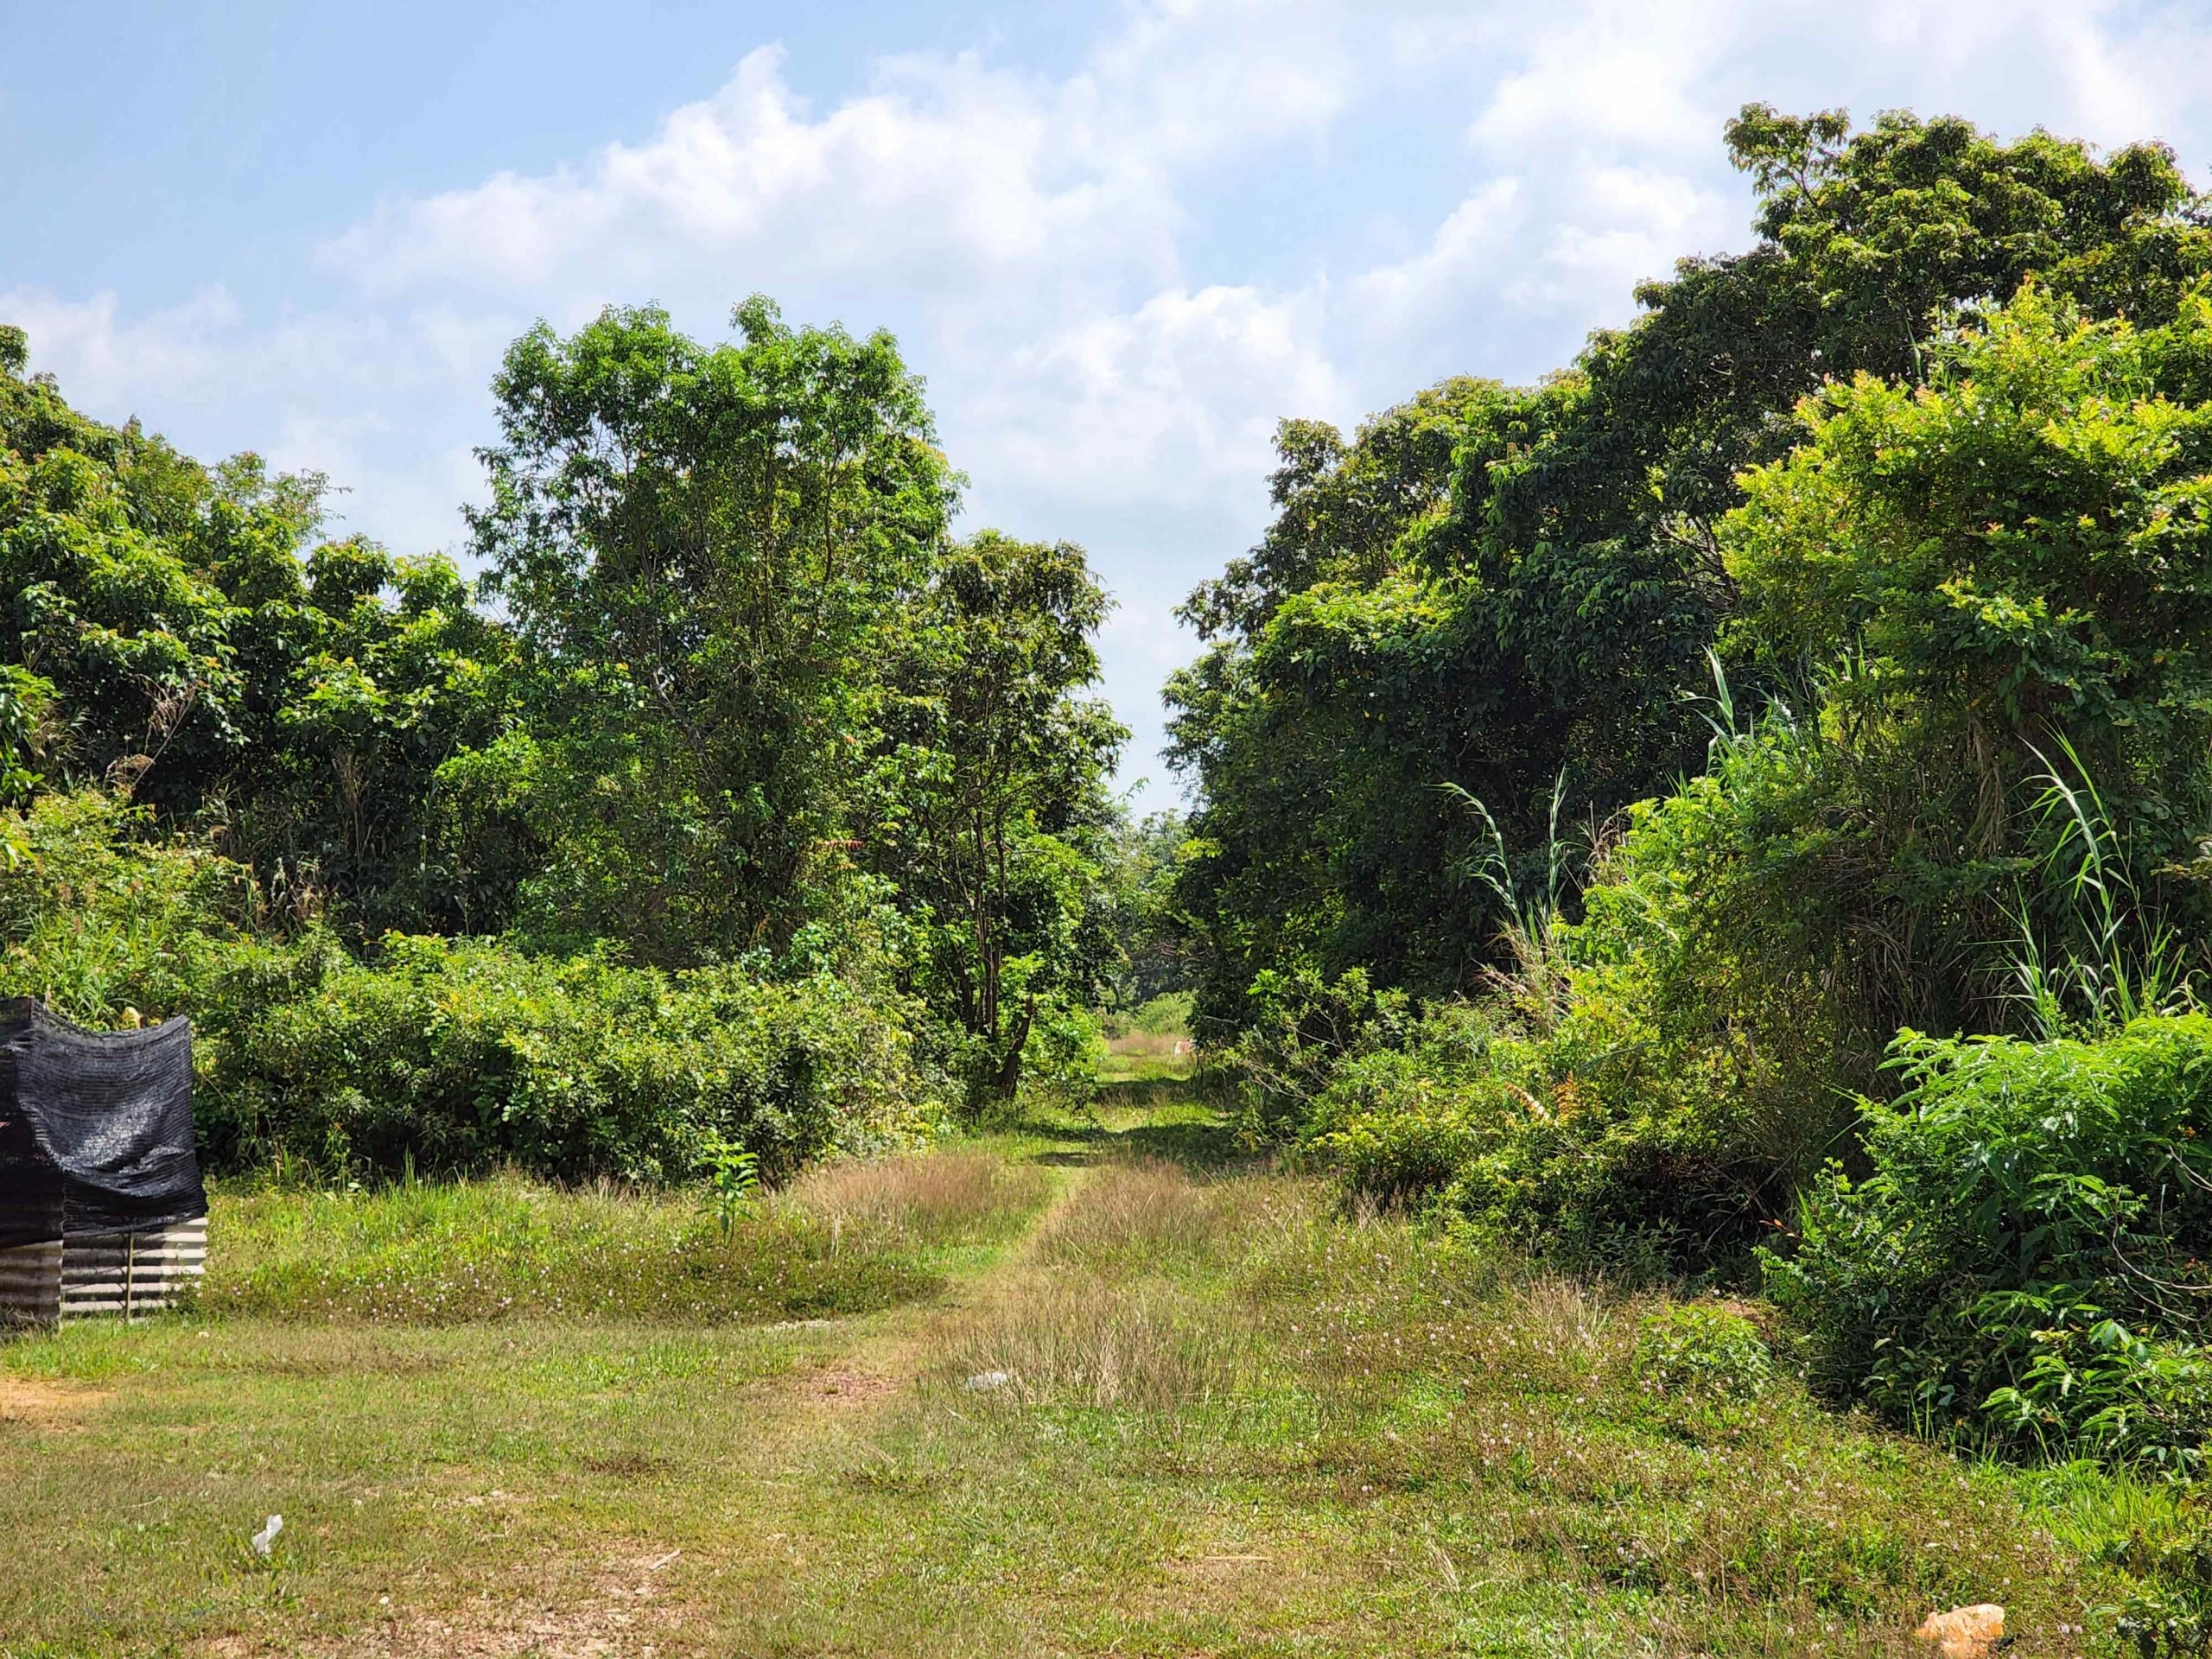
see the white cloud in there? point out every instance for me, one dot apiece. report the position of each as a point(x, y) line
point(1172, 400)
point(104, 361)
point(1624, 225)
point(1605, 75)
point(947, 170)
point(1475, 239)
point(953, 176)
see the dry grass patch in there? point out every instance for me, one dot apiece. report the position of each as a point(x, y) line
point(938, 1198)
point(44, 1405)
point(1148, 1215)
point(1072, 1339)
point(623, 1615)
point(1147, 1210)
point(1095, 1321)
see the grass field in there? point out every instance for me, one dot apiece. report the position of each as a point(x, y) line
point(1096, 1386)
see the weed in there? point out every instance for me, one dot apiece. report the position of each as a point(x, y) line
point(1698, 1349)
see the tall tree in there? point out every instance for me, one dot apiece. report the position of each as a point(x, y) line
point(992, 806)
point(181, 639)
point(1490, 588)
point(707, 551)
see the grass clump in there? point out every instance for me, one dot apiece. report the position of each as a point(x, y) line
point(920, 1199)
point(1147, 1214)
point(1084, 1341)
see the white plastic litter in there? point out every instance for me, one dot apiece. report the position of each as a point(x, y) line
point(265, 1540)
point(984, 1382)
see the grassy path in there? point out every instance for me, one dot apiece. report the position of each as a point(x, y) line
point(1089, 1387)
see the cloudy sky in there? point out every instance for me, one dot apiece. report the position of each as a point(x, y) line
point(1120, 241)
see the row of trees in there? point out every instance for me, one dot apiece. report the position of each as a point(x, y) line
point(729, 694)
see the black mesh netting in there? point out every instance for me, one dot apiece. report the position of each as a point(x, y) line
point(95, 1128)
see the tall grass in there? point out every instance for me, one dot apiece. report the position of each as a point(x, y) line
point(1532, 977)
point(1100, 1319)
point(935, 1198)
point(844, 1239)
point(2116, 956)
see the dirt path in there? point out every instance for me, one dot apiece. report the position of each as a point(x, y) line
point(638, 1599)
point(891, 1352)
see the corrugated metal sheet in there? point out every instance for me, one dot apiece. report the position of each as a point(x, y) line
point(30, 1284)
point(112, 1275)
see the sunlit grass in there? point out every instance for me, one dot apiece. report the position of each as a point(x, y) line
point(842, 1240)
point(1096, 1383)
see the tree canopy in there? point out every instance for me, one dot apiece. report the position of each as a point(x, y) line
point(1493, 590)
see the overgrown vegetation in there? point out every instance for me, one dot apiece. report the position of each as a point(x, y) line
point(1820, 664)
point(739, 807)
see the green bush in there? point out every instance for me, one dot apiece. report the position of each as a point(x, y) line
point(99, 914)
point(1400, 1124)
point(1698, 1349)
point(460, 1054)
point(1303, 1029)
point(443, 1055)
point(1654, 1086)
point(2027, 1255)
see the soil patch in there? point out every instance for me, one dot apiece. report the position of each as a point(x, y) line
point(46, 1405)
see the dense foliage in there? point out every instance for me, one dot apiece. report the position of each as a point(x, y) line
point(437, 1053)
point(1595, 779)
point(2029, 1246)
point(742, 810)
point(1494, 589)
point(991, 821)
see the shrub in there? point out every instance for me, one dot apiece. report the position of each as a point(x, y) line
point(1694, 1348)
point(2028, 1252)
point(1654, 1086)
point(444, 1054)
point(1060, 1056)
point(1302, 1029)
point(99, 915)
point(1399, 1124)
point(461, 1054)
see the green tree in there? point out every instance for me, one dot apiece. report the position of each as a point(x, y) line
point(384, 683)
point(992, 808)
point(182, 641)
point(2007, 567)
point(2014, 561)
point(707, 551)
point(1491, 588)
point(1147, 956)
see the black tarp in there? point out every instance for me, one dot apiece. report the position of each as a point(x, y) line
point(95, 1128)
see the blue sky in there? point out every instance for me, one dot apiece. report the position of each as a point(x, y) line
point(1119, 240)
